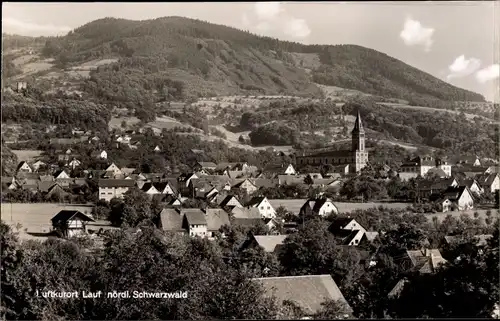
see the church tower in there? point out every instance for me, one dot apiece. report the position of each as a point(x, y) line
point(360, 155)
point(358, 135)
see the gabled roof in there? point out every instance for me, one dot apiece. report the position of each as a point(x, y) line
point(207, 164)
point(398, 288)
point(308, 291)
point(256, 200)
point(246, 213)
point(171, 220)
point(454, 193)
point(270, 243)
point(147, 186)
point(486, 179)
point(216, 218)
point(116, 183)
point(194, 216)
point(340, 222)
point(66, 215)
point(425, 261)
point(227, 199)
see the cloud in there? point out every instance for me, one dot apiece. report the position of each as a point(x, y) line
point(462, 67)
point(270, 17)
point(14, 25)
point(414, 34)
point(297, 28)
point(267, 10)
point(488, 73)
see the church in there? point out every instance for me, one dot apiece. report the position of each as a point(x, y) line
point(356, 158)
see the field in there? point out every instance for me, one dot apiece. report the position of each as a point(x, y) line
point(457, 214)
point(165, 122)
point(116, 122)
point(36, 218)
point(27, 155)
point(294, 205)
point(433, 110)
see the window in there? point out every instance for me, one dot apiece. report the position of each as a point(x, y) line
point(269, 207)
point(262, 207)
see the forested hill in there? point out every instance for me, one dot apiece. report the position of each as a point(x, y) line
point(215, 59)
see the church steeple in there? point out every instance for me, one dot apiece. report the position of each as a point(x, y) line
point(358, 125)
point(358, 135)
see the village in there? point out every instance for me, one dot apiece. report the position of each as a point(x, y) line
point(64, 200)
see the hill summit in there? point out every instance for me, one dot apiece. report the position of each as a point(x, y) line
point(212, 59)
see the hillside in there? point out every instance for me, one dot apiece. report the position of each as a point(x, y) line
point(176, 57)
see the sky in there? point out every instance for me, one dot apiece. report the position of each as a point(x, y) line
point(454, 41)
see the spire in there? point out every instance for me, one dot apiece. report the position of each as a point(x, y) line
point(358, 125)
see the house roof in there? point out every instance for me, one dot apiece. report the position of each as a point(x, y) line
point(481, 239)
point(216, 218)
point(332, 153)
point(255, 201)
point(246, 213)
point(340, 222)
point(147, 186)
point(45, 186)
point(246, 222)
point(437, 171)
point(207, 164)
point(454, 193)
point(171, 219)
point(116, 183)
point(195, 216)
point(291, 179)
point(308, 291)
point(398, 288)
point(425, 261)
point(227, 199)
point(264, 182)
point(486, 179)
point(66, 215)
point(270, 242)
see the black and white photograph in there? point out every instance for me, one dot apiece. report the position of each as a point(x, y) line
point(250, 160)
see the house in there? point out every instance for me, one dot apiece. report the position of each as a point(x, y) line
point(480, 240)
point(100, 155)
point(74, 163)
point(309, 292)
point(157, 149)
point(472, 185)
point(184, 182)
point(246, 185)
point(262, 203)
point(113, 168)
point(421, 165)
point(425, 260)
point(114, 188)
point(149, 189)
point(281, 169)
point(216, 218)
point(9, 183)
point(198, 166)
point(269, 243)
point(61, 175)
point(427, 189)
point(347, 231)
point(36, 165)
point(230, 201)
point(459, 198)
point(489, 182)
point(171, 220)
point(245, 217)
point(467, 160)
point(320, 206)
point(70, 223)
point(55, 191)
point(23, 167)
point(169, 187)
point(195, 222)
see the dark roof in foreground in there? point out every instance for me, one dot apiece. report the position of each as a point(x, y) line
point(66, 215)
point(308, 291)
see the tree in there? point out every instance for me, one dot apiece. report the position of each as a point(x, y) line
point(333, 310)
point(308, 180)
point(464, 288)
